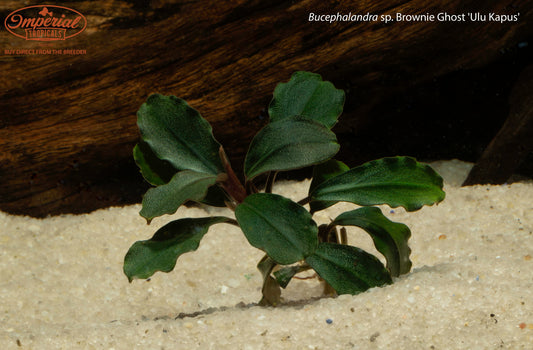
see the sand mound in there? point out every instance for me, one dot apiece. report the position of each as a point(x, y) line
point(471, 286)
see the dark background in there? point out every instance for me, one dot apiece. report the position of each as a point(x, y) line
point(429, 90)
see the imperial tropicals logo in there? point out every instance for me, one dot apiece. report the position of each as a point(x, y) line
point(45, 23)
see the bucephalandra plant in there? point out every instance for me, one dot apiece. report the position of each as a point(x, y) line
point(180, 157)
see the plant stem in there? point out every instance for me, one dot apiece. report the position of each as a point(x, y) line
point(231, 184)
point(343, 236)
point(270, 181)
point(250, 188)
point(304, 201)
point(233, 222)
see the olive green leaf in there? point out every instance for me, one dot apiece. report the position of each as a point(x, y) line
point(291, 143)
point(166, 199)
point(278, 226)
point(396, 181)
point(160, 252)
point(390, 238)
point(271, 289)
point(307, 95)
point(349, 270)
point(178, 134)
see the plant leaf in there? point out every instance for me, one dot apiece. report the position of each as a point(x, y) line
point(325, 171)
point(390, 238)
point(397, 181)
point(154, 170)
point(160, 252)
point(291, 143)
point(307, 95)
point(215, 197)
point(349, 270)
point(278, 226)
point(321, 173)
point(178, 134)
point(285, 274)
point(166, 199)
point(265, 266)
point(271, 290)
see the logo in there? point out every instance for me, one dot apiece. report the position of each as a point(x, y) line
point(45, 23)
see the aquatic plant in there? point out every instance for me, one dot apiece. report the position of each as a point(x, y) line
point(180, 157)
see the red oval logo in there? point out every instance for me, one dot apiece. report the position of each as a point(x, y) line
point(45, 23)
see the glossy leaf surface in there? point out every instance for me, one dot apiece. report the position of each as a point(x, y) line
point(390, 238)
point(397, 181)
point(288, 144)
point(178, 134)
point(349, 270)
point(307, 95)
point(160, 253)
point(278, 226)
point(166, 199)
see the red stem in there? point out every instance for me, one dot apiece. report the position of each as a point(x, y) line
point(231, 184)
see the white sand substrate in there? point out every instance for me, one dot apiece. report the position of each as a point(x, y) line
point(471, 286)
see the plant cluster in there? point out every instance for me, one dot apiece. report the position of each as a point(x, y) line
point(180, 157)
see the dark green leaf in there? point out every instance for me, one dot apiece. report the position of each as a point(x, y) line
point(166, 199)
point(349, 270)
point(160, 253)
point(178, 134)
point(322, 172)
point(153, 169)
point(278, 226)
point(325, 171)
point(397, 181)
point(390, 238)
point(307, 95)
point(215, 197)
point(285, 274)
point(291, 143)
